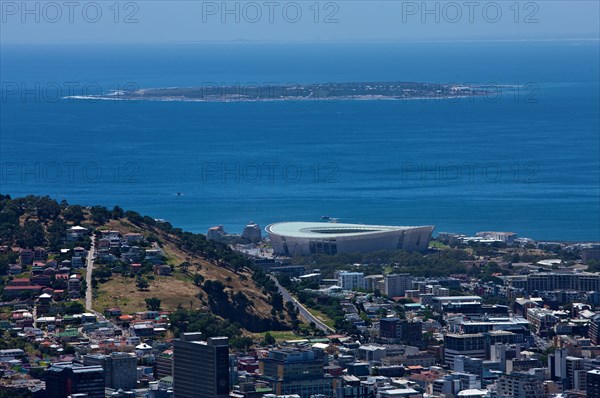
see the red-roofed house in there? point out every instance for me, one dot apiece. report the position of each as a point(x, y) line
point(20, 282)
point(15, 291)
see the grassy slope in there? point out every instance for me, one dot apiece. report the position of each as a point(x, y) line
point(122, 292)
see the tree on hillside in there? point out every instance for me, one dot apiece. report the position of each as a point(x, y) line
point(46, 208)
point(9, 221)
point(241, 300)
point(269, 339)
point(74, 214)
point(142, 284)
point(198, 321)
point(198, 279)
point(100, 214)
point(31, 235)
point(215, 289)
point(135, 217)
point(153, 303)
point(184, 266)
point(117, 213)
point(242, 343)
point(73, 307)
point(56, 232)
point(6, 259)
point(277, 301)
point(290, 307)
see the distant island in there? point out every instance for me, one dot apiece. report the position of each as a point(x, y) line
point(300, 92)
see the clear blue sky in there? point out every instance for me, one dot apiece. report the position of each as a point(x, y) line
point(158, 21)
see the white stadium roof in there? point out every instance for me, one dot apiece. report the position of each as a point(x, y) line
point(326, 229)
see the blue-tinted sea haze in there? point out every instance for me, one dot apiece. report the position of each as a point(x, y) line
point(526, 159)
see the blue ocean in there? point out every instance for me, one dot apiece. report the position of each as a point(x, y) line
point(525, 159)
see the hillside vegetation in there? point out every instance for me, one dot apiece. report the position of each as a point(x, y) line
point(208, 277)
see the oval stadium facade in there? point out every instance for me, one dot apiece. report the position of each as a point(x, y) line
point(306, 238)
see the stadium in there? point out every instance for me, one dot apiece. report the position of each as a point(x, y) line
point(306, 238)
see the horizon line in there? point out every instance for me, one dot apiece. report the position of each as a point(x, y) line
point(315, 41)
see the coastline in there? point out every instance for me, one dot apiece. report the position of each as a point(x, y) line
point(284, 99)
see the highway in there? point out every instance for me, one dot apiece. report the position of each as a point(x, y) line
point(304, 313)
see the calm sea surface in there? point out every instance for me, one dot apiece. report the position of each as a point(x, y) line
point(526, 159)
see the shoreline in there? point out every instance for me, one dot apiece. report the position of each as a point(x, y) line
point(285, 99)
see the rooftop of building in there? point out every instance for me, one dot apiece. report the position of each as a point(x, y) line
point(458, 298)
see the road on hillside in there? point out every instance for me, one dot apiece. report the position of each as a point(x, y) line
point(304, 313)
point(88, 275)
point(88, 282)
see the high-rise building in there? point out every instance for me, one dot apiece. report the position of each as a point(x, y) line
point(520, 385)
point(471, 345)
point(67, 378)
point(412, 332)
point(215, 233)
point(233, 371)
point(575, 373)
point(558, 365)
point(389, 329)
point(468, 365)
point(163, 364)
point(198, 363)
point(351, 280)
point(397, 284)
point(395, 330)
point(593, 383)
point(594, 330)
point(450, 385)
point(352, 388)
point(374, 282)
point(290, 371)
point(556, 280)
point(120, 369)
point(252, 232)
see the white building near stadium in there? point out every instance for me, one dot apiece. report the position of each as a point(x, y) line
point(351, 280)
point(306, 238)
